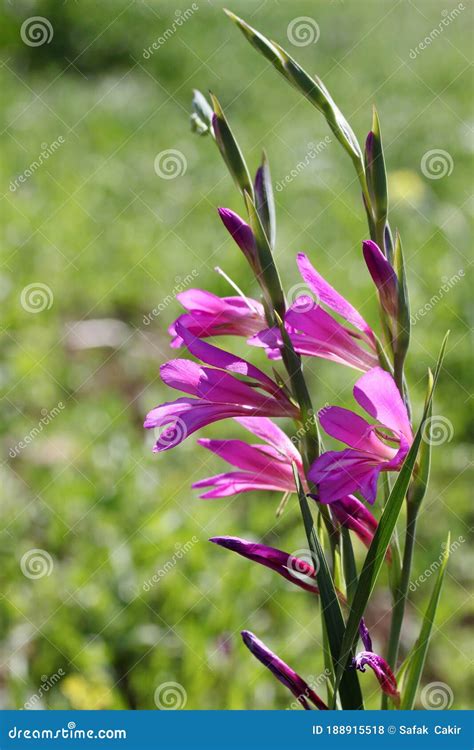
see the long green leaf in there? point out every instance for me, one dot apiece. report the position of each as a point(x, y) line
point(416, 659)
point(378, 548)
point(349, 688)
point(312, 88)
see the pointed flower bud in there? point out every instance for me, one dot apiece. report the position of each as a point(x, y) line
point(288, 566)
point(384, 277)
point(242, 234)
point(287, 676)
point(377, 183)
point(264, 201)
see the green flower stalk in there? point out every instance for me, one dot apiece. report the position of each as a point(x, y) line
point(223, 385)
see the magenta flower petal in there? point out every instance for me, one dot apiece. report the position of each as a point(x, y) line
point(269, 339)
point(315, 333)
point(254, 458)
point(176, 420)
point(233, 483)
point(182, 374)
point(329, 296)
point(341, 473)
point(264, 466)
point(287, 676)
point(353, 430)
point(212, 355)
point(219, 394)
point(218, 385)
point(365, 635)
point(353, 514)
point(267, 430)
point(382, 671)
point(209, 315)
point(377, 393)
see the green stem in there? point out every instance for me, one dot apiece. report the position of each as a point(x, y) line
point(400, 597)
point(398, 374)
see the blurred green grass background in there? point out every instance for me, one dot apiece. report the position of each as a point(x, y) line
point(112, 240)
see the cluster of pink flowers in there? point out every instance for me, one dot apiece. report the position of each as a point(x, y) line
point(222, 386)
point(377, 437)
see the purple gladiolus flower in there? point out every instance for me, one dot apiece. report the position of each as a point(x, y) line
point(242, 234)
point(288, 566)
point(383, 275)
point(373, 448)
point(210, 315)
point(262, 467)
point(382, 671)
point(287, 676)
point(217, 393)
point(316, 333)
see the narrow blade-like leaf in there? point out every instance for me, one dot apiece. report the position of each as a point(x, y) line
point(416, 659)
point(312, 88)
point(230, 149)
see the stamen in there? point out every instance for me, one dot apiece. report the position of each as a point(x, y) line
point(239, 291)
point(282, 504)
